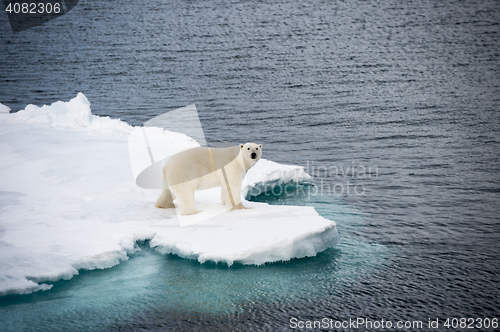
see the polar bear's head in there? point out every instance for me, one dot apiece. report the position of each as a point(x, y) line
point(251, 153)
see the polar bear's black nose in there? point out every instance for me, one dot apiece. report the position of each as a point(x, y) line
point(253, 155)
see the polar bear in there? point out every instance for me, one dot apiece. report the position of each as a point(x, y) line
point(203, 168)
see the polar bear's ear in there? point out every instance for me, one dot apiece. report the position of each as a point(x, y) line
point(241, 146)
point(260, 146)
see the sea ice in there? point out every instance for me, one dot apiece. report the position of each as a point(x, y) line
point(68, 201)
point(4, 108)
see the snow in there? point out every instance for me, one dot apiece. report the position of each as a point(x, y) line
point(4, 108)
point(68, 201)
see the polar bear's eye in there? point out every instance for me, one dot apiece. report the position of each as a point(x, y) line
point(257, 149)
point(248, 148)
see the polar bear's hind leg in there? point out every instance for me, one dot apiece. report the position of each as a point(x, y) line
point(165, 201)
point(184, 193)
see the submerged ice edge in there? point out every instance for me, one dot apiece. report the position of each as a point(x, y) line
point(308, 245)
point(305, 246)
point(68, 201)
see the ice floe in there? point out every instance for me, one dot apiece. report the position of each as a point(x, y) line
point(68, 201)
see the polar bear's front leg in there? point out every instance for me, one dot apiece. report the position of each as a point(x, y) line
point(230, 187)
point(227, 200)
point(234, 189)
point(224, 195)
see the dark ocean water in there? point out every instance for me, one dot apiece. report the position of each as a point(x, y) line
point(393, 107)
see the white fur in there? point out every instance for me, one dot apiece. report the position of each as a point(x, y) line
point(190, 170)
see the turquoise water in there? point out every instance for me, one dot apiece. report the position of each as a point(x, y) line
point(151, 283)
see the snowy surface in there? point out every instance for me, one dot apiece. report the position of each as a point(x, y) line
point(4, 108)
point(68, 201)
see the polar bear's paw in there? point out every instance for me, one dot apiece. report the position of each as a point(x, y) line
point(165, 201)
point(240, 207)
point(189, 212)
point(165, 206)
